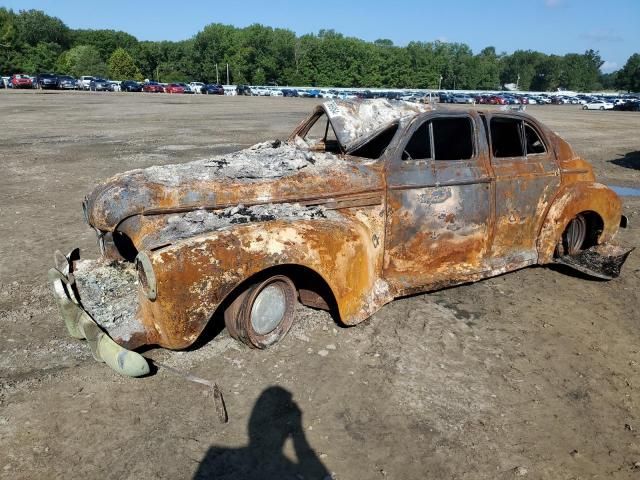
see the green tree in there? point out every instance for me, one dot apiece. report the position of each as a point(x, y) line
point(34, 26)
point(629, 76)
point(82, 60)
point(8, 39)
point(106, 41)
point(122, 66)
point(41, 58)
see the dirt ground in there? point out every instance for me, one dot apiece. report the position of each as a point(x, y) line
point(531, 374)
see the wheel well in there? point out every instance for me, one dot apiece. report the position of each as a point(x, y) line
point(318, 295)
point(595, 226)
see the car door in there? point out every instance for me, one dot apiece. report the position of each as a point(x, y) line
point(439, 203)
point(527, 178)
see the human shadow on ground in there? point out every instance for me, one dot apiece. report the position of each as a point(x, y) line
point(629, 160)
point(274, 419)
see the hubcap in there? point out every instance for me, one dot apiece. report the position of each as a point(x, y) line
point(268, 309)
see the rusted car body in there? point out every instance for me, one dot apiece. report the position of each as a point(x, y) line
point(365, 202)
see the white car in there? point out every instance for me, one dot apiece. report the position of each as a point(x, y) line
point(85, 81)
point(196, 87)
point(461, 98)
point(276, 92)
point(598, 105)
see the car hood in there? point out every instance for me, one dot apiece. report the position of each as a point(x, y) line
point(270, 172)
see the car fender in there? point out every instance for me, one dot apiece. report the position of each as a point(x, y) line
point(195, 275)
point(571, 200)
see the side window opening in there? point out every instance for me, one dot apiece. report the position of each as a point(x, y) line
point(452, 138)
point(506, 137)
point(534, 144)
point(375, 147)
point(419, 146)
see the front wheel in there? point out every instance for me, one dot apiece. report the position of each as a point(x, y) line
point(601, 108)
point(263, 313)
point(585, 108)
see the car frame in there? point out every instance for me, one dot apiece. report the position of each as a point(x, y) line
point(365, 202)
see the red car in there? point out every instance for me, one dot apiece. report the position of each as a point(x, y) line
point(19, 80)
point(153, 87)
point(174, 88)
point(497, 100)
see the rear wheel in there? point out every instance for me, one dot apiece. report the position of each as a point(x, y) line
point(574, 236)
point(263, 313)
point(601, 108)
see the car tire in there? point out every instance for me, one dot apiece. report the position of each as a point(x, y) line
point(601, 108)
point(263, 313)
point(585, 108)
point(573, 237)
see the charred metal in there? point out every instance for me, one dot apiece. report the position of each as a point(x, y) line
point(365, 202)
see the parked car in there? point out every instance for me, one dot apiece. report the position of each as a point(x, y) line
point(598, 105)
point(174, 88)
point(100, 85)
point(628, 106)
point(405, 199)
point(462, 98)
point(289, 92)
point(20, 80)
point(196, 87)
point(244, 90)
point(186, 88)
point(84, 82)
point(47, 81)
point(130, 86)
point(260, 91)
point(213, 89)
point(153, 87)
point(66, 82)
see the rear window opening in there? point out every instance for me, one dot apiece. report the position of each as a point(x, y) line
point(506, 139)
point(511, 137)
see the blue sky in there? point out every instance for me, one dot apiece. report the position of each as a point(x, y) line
point(550, 26)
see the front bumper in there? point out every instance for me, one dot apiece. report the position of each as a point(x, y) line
point(81, 325)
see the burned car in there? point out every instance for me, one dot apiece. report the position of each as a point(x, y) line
point(366, 201)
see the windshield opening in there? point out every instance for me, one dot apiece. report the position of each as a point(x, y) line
point(320, 136)
point(376, 146)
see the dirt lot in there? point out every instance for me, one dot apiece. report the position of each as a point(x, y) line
point(535, 373)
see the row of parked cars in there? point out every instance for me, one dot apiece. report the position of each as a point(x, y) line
point(588, 102)
point(53, 81)
point(66, 82)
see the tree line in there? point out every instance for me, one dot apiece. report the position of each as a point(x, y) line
point(33, 42)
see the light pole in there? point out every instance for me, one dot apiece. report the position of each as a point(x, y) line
point(217, 76)
point(440, 82)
